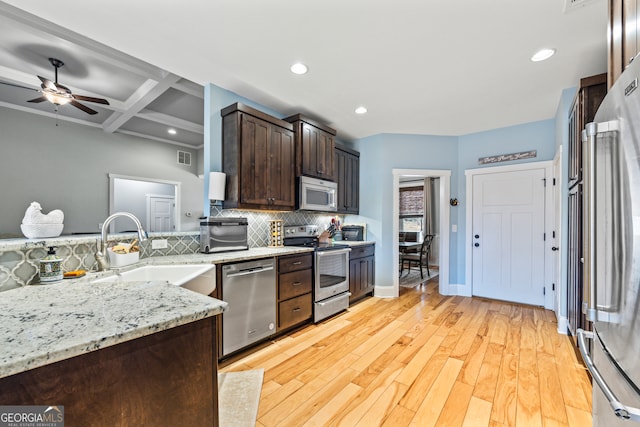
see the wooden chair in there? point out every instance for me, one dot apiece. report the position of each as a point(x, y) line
point(421, 259)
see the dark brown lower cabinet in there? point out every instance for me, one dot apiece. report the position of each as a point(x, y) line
point(362, 263)
point(165, 379)
point(295, 283)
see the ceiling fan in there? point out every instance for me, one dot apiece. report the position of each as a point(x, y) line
point(58, 94)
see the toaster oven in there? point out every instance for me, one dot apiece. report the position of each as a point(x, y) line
point(353, 232)
point(218, 234)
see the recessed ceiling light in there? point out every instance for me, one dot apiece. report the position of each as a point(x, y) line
point(172, 131)
point(543, 54)
point(361, 110)
point(299, 68)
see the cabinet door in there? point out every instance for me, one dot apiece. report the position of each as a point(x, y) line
point(347, 176)
point(354, 279)
point(369, 283)
point(317, 152)
point(353, 184)
point(574, 263)
point(254, 161)
point(281, 173)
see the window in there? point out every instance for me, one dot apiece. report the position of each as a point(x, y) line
point(411, 208)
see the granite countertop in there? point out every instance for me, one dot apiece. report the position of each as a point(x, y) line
point(43, 324)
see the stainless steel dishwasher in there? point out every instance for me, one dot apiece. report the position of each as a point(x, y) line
point(250, 290)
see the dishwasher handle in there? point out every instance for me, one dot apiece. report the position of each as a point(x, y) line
point(253, 270)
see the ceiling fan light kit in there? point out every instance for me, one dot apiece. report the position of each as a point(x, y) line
point(58, 94)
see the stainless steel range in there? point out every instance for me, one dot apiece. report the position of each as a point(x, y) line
point(331, 279)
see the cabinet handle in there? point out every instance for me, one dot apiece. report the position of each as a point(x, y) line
point(297, 263)
point(295, 310)
point(296, 283)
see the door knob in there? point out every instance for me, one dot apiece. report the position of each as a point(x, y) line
point(476, 244)
point(477, 236)
point(555, 248)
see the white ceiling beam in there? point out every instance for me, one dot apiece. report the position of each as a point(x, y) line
point(49, 114)
point(171, 121)
point(156, 138)
point(149, 91)
point(190, 88)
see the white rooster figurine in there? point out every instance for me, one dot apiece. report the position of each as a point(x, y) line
point(34, 215)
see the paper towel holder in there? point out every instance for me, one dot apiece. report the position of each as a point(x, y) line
point(217, 185)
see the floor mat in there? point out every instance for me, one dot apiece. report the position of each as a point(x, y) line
point(238, 397)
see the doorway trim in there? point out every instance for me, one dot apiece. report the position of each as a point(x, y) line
point(445, 195)
point(549, 221)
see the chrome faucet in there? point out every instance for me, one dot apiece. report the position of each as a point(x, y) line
point(102, 245)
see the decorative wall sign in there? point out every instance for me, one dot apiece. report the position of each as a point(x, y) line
point(508, 157)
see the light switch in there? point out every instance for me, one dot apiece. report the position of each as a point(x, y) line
point(454, 228)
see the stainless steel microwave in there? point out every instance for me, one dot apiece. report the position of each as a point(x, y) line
point(317, 195)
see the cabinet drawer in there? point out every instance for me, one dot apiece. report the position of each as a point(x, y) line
point(361, 251)
point(293, 311)
point(296, 262)
point(295, 283)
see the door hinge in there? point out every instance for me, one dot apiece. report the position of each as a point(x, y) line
point(554, 181)
point(553, 234)
point(544, 291)
point(553, 286)
point(544, 182)
point(544, 236)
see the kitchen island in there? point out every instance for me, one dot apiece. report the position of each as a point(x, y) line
point(132, 353)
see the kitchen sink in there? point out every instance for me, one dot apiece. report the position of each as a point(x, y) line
point(199, 278)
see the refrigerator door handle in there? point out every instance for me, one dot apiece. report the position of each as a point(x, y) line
point(619, 409)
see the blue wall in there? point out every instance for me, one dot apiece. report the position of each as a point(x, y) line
point(379, 154)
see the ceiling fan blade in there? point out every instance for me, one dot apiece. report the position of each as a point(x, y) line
point(20, 86)
point(39, 99)
point(83, 107)
point(91, 99)
point(48, 84)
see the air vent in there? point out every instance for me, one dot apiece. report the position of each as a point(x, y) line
point(184, 158)
point(571, 5)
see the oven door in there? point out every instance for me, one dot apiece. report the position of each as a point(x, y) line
point(332, 273)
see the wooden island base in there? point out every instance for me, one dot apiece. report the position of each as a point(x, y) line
point(165, 379)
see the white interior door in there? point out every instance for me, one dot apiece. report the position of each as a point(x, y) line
point(508, 236)
point(160, 213)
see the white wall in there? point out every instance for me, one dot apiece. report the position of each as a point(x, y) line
point(66, 167)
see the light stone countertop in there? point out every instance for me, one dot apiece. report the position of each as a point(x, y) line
point(43, 324)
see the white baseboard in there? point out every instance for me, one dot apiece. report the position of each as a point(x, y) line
point(385, 292)
point(459, 289)
point(563, 325)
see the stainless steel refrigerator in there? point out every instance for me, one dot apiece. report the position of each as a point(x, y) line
point(611, 178)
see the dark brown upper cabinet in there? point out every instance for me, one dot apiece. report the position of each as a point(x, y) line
point(258, 154)
point(315, 145)
point(347, 176)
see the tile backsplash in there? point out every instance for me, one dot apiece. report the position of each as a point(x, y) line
point(19, 258)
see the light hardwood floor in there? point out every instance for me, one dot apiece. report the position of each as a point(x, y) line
point(424, 360)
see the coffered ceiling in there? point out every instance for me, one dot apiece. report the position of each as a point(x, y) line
point(420, 66)
point(144, 100)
